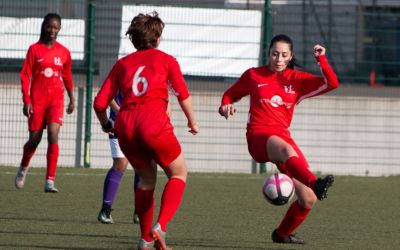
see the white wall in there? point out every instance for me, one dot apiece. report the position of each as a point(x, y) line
point(211, 42)
point(17, 34)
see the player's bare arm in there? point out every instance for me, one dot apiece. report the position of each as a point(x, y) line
point(71, 104)
point(187, 108)
point(114, 106)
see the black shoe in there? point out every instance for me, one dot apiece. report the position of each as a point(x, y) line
point(321, 186)
point(291, 239)
point(105, 216)
point(136, 219)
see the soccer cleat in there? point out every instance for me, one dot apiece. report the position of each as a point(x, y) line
point(159, 237)
point(291, 239)
point(321, 186)
point(144, 245)
point(136, 219)
point(20, 177)
point(105, 216)
point(49, 187)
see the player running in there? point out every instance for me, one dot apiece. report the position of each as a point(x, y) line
point(45, 73)
point(274, 91)
point(144, 131)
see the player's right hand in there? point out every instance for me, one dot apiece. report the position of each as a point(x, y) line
point(227, 110)
point(27, 110)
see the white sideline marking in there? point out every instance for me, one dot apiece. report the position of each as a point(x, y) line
point(250, 176)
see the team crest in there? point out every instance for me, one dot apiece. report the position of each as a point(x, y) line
point(57, 61)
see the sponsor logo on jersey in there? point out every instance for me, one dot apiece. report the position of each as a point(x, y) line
point(276, 101)
point(48, 72)
point(262, 84)
point(57, 61)
point(40, 60)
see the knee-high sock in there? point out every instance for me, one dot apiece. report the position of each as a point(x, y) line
point(27, 155)
point(52, 158)
point(171, 198)
point(144, 207)
point(111, 185)
point(295, 215)
point(298, 168)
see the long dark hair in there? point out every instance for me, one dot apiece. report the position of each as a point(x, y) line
point(145, 30)
point(286, 39)
point(46, 21)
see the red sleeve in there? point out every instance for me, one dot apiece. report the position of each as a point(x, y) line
point(108, 90)
point(67, 73)
point(26, 74)
point(176, 80)
point(315, 85)
point(238, 90)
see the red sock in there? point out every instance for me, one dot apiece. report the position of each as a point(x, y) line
point(52, 157)
point(295, 215)
point(27, 155)
point(298, 168)
point(144, 206)
point(171, 198)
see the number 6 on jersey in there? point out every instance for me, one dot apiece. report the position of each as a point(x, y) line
point(136, 80)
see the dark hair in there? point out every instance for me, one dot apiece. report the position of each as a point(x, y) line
point(46, 21)
point(286, 39)
point(145, 30)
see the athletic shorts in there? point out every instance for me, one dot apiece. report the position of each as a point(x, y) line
point(146, 134)
point(116, 151)
point(257, 144)
point(45, 111)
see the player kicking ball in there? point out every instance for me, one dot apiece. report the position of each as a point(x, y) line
point(275, 89)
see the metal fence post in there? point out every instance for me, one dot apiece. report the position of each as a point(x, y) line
point(266, 31)
point(89, 83)
point(79, 123)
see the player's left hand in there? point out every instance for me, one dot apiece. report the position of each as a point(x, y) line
point(169, 111)
point(319, 50)
point(108, 127)
point(27, 110)
point(70, 107)
point(194, 129)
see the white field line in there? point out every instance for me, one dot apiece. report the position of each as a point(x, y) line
point(202, 176)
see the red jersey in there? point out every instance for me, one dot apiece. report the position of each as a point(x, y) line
point(50, 70)
point(274, 95)
point(143, 78)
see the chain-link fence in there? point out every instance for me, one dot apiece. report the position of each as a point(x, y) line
point(214, 42)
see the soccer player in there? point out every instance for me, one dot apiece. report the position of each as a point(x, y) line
point(144, 130)
point(45, 73)
point(114, 175)
point(274, 91)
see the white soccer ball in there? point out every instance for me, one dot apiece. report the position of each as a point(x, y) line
point(278, 189)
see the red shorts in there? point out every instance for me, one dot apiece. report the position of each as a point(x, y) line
point(146, 134)
point(45, 111)
point(257, 144)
